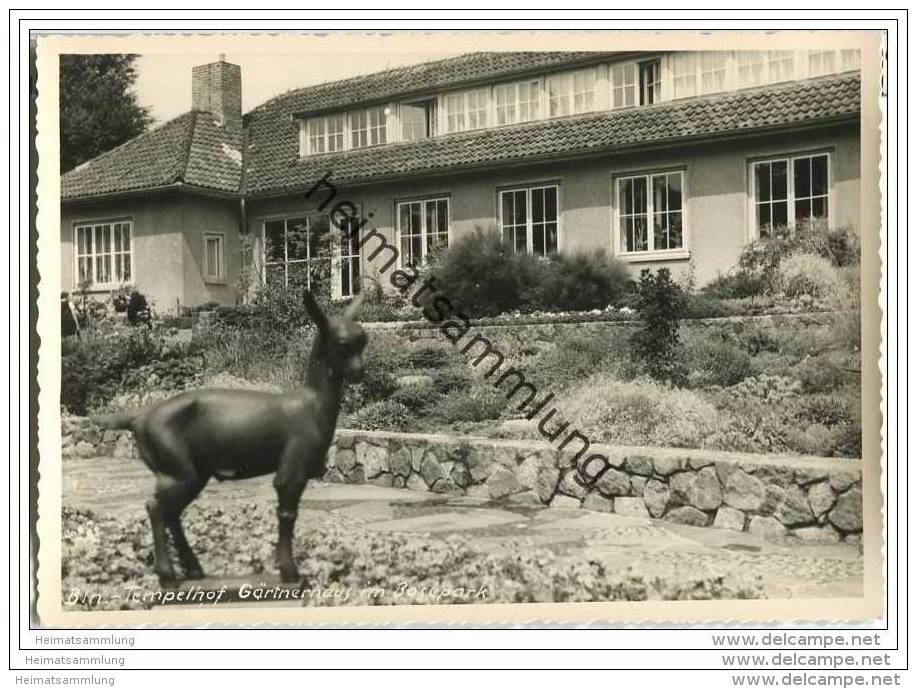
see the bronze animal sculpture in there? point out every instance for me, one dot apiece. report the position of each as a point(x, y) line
point(238, 434)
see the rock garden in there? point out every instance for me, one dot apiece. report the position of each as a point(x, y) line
point(734, 407)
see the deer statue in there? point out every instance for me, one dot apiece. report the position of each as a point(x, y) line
point(238, 434)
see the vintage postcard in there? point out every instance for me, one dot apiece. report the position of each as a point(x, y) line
point(459, 327)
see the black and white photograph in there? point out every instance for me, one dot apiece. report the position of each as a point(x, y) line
point(462, 328)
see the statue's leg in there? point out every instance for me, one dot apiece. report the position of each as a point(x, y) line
point(162, 565)
point(177, 484)
point(290, 483)
point(186, 555)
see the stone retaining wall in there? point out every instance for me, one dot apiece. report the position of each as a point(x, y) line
point(810, 498)
point(425, 330)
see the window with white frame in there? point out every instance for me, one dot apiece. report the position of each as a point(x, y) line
point(571, 93)
point(418, 119)
point(558, 88)
point(850, 59)
point(348, 259)
point(623, 85)
point(684, 75)
point(103, 253)
point(367, 127)
point(467, 110)
point(713, 71)
point(517, 102)
point(584, 91)
point(781, 65)
point(788, 191)
point(650, 212)
point(751, 68)
point(529, 219)
point(214, 257)
point(423, 228)
point(821, 62)
point(758, 67)
point(650, 81)
point(297, 252)
point(698, 73)
point(326, 134)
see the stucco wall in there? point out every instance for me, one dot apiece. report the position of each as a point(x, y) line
point(167, 245)
point(716, 178)
point(201, 215)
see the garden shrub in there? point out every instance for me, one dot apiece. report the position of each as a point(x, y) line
point(99, 366)
point(428, 357)
point(839, 245)
point(842, 247)
point(848, 439)
point(244, 351)
point(582, 281)
point(825, 372)
point(484, 277)
point(241, 316)
point(384, 415)
point(831, 409)
point(656, 346)
point(814, 439)
point(476, 403)
point(418, 399)
point(450, 381)
point(173, 374)
point(381, 306)
point(777, 390)
point(378, 384)
point(757, 415)
point(275, 308)
point(737, 284)
point(756, 340)
point(206, 306)
point(702, 305)
point(639, 412)
point(575, 357)
point(711, 360)
point(758, 269)
point(809, 275)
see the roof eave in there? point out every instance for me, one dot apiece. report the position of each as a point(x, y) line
point(159, 189)
point(733, 134)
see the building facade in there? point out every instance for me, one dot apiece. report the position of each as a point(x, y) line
point(659, 159)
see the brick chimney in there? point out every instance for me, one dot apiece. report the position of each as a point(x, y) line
point(217, 88)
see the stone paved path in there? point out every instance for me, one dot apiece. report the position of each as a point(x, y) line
point(645, 546)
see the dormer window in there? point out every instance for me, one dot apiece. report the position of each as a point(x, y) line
point(467, 110)
point(517, 102)
point(623, 85)
point(615, 83)
point(571, 94)
point(698, 73)
point(713, 72)
point(367, 127)
point(684, 75)
point(418, 120)
point(650, 82)
point(757, 67)
point(326, 134)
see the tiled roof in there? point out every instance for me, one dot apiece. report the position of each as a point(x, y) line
point(273, 163)
point(424, 77)
point(192, 149)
